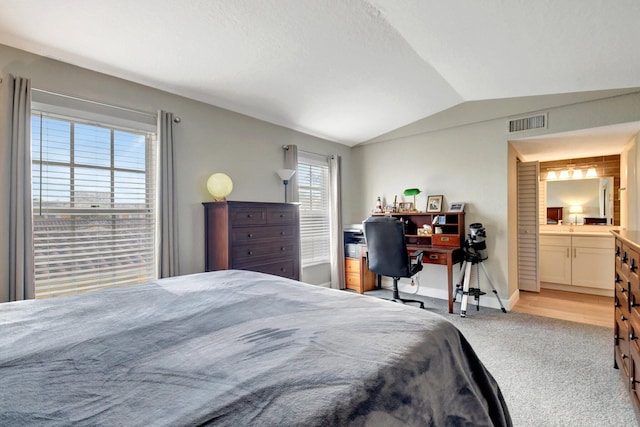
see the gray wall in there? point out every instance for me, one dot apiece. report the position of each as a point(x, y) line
point(208, 140)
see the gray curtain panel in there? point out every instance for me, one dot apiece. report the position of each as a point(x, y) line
point(291, 162)
point(168, 210)
point(335, 223)
point(17, 280)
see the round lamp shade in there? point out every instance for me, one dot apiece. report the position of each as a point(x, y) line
point(220, 186)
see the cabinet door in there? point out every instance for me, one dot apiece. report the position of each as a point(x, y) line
point(555, 264)
point(592, 267)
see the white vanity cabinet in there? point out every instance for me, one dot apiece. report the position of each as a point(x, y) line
point(555, 259)
point(577, 261)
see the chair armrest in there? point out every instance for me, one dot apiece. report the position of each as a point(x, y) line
point(417, 255)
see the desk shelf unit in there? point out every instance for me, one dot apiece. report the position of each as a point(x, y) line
point(451, 224)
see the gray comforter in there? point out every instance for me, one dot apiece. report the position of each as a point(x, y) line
point(237, 348)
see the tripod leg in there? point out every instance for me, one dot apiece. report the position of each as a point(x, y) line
point(459, 281)
point(465, 290)
point(504, 310)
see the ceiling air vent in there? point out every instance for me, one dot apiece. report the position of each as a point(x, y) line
point(526, 123)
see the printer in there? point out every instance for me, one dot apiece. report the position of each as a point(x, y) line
point(353, 239)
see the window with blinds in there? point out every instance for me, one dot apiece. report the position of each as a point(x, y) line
point(93, 205)
point(313, 190)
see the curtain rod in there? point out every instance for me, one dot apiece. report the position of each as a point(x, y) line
point(286, 147)
point(131, 110)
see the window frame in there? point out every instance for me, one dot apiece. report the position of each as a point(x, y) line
point(111, 215)
point(312, 233)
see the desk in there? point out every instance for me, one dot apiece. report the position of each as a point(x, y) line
point(443, 255)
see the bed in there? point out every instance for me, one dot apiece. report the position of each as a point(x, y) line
point(237, 348)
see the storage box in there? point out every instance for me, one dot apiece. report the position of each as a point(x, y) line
point(445, 240)
point(352, 250)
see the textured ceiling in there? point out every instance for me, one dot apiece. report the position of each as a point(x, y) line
point(344, 70)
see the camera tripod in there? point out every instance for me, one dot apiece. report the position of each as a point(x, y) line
point(470, 260)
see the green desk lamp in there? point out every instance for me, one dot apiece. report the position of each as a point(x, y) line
point(412, 192)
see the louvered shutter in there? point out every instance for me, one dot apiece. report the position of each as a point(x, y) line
point(528, 226)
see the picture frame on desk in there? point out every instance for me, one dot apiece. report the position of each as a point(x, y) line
point(405, 207)
point(456, 207)
point(434, 203)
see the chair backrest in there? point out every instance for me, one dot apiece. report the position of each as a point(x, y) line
point(386, 246)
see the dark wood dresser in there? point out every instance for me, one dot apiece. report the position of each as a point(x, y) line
point(254, 236)
point(627, 311)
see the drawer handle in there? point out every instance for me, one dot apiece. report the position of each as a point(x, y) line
point(617, 251)
point(282, 269)
point(632, 336)
point(618, 279)
point(633, 267)
point(281, 215)
point(433, 256)
point(250, 235)
point(623, 290)
point(282, 249)
point(249, 215)
point(282, 233)
point(622, 317)
point(250, 253)
point(625, 258)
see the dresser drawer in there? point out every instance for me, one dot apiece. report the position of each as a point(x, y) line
point(242, 235)
point(283, 215)
point(243, 255)
point(629, 263)
point(622, 304)
point(621, 342)
point(284, 268)
point(634, 386)
point(618, 250)
point(445, 240)
point(352, 281)
point(352, 265)
point(434, 258)
point(243, 216)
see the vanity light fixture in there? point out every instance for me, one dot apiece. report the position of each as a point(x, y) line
point(564, 174)
point(577, 174)
point(552, 175)
point(592, 173)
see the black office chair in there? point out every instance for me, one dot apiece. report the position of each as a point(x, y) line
point(387, 253)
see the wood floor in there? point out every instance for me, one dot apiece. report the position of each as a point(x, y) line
point(582, 308)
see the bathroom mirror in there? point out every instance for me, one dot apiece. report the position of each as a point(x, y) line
point(584, 201)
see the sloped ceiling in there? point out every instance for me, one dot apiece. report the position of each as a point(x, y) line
point(344, 70)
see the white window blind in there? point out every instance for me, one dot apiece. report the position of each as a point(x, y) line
point(93, 205)
point(313, 189)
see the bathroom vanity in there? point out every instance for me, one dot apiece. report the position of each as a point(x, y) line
point(577, 261)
